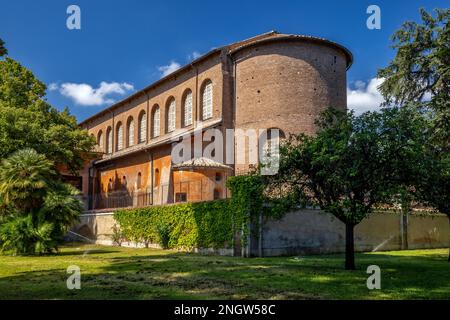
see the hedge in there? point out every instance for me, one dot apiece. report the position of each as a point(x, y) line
point(187, 225)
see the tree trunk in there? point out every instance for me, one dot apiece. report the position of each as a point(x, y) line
point(448, 215)
point(406, 207)
point(349, 247)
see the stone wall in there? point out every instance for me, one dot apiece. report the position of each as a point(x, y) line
point(305, 232)
point(314, 231)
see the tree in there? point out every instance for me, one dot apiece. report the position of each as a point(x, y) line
point(420, 71)
point(420, 75)
point(25, 179)
point(3, 50)
point(40, 207)
point(434, 187)
point(351, 164)
point(28, 121)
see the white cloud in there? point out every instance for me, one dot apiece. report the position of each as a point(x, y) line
point(168, 69)
point(194, 55)
point(365, 98)
point(52, 86)
point(84, 94)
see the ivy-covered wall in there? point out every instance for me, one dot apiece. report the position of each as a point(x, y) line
point(187, 225)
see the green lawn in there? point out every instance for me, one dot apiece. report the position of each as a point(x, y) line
point(124, 273)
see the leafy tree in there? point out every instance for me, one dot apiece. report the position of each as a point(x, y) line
point(40, 208)
point(25, 179)
point(420, 75)
point(351, 164)
point(434, 187)
point(3, 50)
point(28, 121)
point(420, 71)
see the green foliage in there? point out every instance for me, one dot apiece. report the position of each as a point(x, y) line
point(24, 179)
point(187, 225)
point(247, 201)
point(434, 188)
point(21, 235)
point(3, 50)
point(421, 67)
point(354, 163)
point(28, 121)
point(117, 236)
point(37, 209)
point(163, 231)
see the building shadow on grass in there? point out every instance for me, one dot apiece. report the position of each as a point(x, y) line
point(157, 274)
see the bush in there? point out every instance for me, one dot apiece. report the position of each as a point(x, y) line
point(187, 225)
point(36, 208)
point(163, 231)
point(117, 236)
point(19, 235)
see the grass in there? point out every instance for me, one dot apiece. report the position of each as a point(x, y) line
point(125, 273)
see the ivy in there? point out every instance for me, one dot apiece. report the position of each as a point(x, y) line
point(183, 226)
point(210, 224)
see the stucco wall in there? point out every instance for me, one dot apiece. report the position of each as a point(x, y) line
point(314, 231)
point(309, 232)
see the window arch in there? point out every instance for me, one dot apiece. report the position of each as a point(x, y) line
point(156, 122)
point(207, 100)
point(157, 178)
point(130, 132)
point(187, 108)
point(109, 136)
point(142, 127)
point(170, 115)
point(119, 136)
point(216, 194)
point(100, 140)
point(139, 181)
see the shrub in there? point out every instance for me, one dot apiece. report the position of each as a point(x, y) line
point(163, 231)
point(20, 235)
point(117, 236)
point(36, 208)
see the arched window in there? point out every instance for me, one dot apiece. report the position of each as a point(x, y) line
point(207, 101)
point(139, 181)
point(130, 132)
point(157, 178)
point(109, 136)
point(119, 136)
point(216, 194)
point(170, 116)
point(100, 142)
point(142, 132)
point(156, 122)
point(124, 183)
point(187, 109)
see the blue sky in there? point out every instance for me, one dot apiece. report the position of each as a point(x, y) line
point(126, 45)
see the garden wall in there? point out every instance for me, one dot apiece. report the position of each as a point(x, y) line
point(305, 232)
point(314, 231)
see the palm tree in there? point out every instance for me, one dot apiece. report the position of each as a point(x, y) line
point(24, 179)
point(36, 208)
